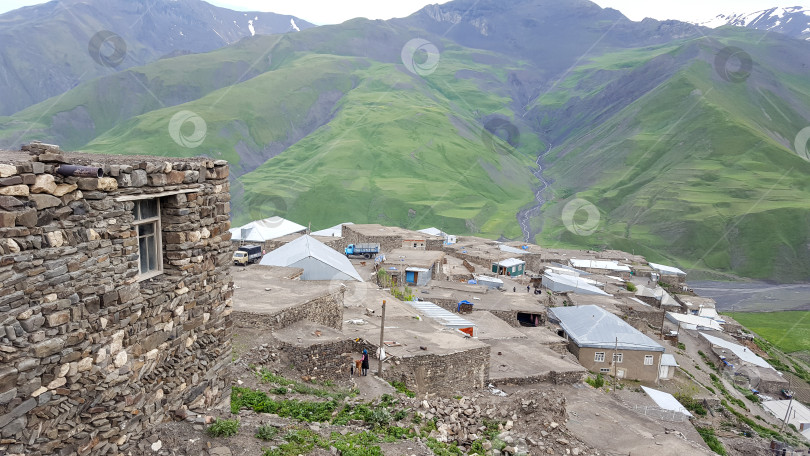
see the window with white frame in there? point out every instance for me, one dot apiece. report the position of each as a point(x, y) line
point(604, 369)
point(599, 357)
point(147, 225)
point(648, 360)
point(617, 357)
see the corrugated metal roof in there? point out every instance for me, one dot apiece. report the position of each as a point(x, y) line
point(266, 229)
point(561, 283)
point(440, 314)
point(591, 326)
point(666, 401)
point(415, 269)
point(668, 360)
point(510, 249)
point(669, 270)
point(509, 262)
point(487, 278)
point(739, 351)
point(694, 321)
point(433, 231)
point(599, 264)
point(307, 246)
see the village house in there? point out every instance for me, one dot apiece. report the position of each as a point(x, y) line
point(511, 267)
point(414, 267)
point(604, 343)
point(389, 237)
point(115, 299)
point(317, 260)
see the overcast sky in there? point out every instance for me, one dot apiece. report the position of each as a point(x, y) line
point(332, 12)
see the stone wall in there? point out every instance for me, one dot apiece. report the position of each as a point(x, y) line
point(92, 353)
point(325, 310)
point(388, 242)
point(448, 373)
point(652, 317)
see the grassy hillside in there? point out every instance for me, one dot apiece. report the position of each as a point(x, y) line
point(698, 171)
point(362, 140)
point(788, 331)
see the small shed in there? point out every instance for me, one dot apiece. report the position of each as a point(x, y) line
point(417, 276)
point(511, 267)
point(668, 367)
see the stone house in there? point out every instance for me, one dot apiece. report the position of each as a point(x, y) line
point(604, 343)
point(115, 296)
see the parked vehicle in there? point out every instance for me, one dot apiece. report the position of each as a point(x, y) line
point(366, 250)
point(787, 394)
point(247, 254)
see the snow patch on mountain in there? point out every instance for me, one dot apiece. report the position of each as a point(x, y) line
point(793, 21)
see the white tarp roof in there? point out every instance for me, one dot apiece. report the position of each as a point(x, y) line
point(510, 249)
point(694, 321)
point(433, 231)
point(443, 316)
point(599, 264)
point(562, 271)
point(509, 262)
point(666, 401)
point(710, 312)
point(666, 270)
point(798, 413)
point(485, 278)
point(739, 351)
point(265, 229)
point(332, 231)
point(560, 283)
point(306, 246)
point(594, 327)
point(668, 360)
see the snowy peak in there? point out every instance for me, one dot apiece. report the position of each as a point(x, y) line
point(793, 21)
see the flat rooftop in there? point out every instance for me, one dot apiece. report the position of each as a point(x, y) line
point(375, 229)
point(264, 289)
point(525, 358)
point(403, 327)
point(483, 299)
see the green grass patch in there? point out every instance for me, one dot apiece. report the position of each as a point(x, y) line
point(789, 330)
point(403, 389)
point(708, 436)
point(266, 432)
point(223, 428)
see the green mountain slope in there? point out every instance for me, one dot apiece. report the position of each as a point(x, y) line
point(698, 171)
point(328, 125)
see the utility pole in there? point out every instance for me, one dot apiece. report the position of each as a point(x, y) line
point(790, 403)
point(382, 343)
point(663, 315)
point(615, 367)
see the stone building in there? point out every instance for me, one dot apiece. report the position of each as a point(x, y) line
point(604, 343)
point(115, 296)
point(389, 237)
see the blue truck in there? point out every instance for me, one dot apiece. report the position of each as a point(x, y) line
point(366, 250)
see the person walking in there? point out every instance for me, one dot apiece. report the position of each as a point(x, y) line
point(364, 364)
point(528, 287)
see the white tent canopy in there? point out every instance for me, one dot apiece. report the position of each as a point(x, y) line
point(318, 260)
point(265, 229)
point(332, 231)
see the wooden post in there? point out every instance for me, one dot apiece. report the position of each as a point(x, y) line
point(663, 315)
point(615, 366)
point(382, 343)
